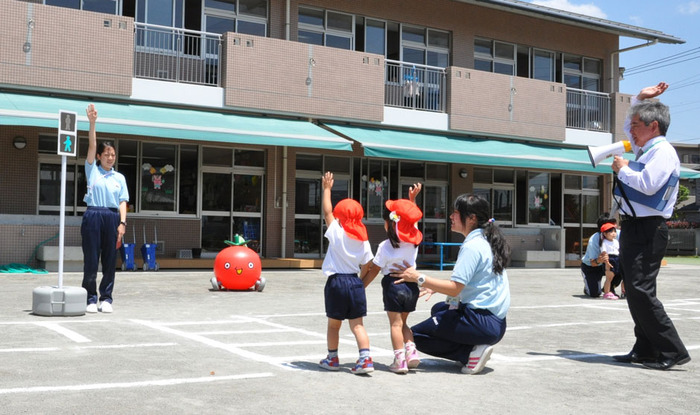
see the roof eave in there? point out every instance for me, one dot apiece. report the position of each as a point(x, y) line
point(575, 19)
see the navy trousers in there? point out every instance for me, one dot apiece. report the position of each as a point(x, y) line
point(452, 334)
point(99, 232)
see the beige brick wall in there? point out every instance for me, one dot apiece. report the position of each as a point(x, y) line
point(70, 50)
point(620, 105)
point(18, 180)
point(275, 75)
point(506, 105)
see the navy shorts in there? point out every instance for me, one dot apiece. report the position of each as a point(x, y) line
point(399, 298)
point(614, 263)
point(345, 297)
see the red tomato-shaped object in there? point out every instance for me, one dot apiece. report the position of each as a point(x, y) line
point(237, 267)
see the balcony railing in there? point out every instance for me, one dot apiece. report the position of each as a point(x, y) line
point(178, 55)
point(587, 110)
point(418, 87)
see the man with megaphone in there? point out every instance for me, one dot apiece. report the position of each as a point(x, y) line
point(644, 233)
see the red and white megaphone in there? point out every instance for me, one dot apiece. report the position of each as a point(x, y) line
point(600, 153)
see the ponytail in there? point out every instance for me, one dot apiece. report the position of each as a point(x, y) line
point(499, 245)
point(468, 204)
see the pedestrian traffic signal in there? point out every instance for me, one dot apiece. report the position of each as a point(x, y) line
point(67, 133)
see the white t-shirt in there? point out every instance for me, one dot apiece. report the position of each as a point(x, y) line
point(611, 247)
point(387, 255)
point(345, 255)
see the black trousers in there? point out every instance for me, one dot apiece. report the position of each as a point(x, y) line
point(642, 247)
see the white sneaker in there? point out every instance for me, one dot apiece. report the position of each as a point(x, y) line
point(477, 359)
point(106, 307)
point(91, 308)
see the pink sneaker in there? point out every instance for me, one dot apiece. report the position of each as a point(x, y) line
point(412, 358)
point(610, 296)
point(399, 366)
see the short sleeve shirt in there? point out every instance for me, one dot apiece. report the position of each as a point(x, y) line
point(345, 255)
point(105, 188)
point(387, 255)
point(474, 268)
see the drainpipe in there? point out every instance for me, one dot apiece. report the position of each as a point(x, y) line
point(617, 52)
point(287, 22)
point(283, 253)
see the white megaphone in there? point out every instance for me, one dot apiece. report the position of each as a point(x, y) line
point(600, 153)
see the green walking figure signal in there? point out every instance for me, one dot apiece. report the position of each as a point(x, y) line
point(67, 133)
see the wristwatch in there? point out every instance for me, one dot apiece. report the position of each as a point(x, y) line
point(421, 280)
point(123, 223)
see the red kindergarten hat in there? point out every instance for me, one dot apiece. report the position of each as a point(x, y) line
point(350, 213)
point(606, 227)
point(405, 214)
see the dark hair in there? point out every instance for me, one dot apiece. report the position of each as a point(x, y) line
point(471, 204)
point(101, 146)
point(390, 229)
point(602, 220)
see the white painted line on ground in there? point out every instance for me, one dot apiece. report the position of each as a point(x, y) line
point(205, 323)
point(223, 332)
point(129, 346)
point(206, 341)
point(128, 385)
point(78, 338)
point(285, 343)
point(314, 334)
point(2, 323)
point(30, 349)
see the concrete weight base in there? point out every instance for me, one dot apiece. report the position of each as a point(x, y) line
point(55, 301)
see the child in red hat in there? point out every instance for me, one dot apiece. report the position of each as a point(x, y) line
point(349, 253)
point(400, 221)
point(610, 245)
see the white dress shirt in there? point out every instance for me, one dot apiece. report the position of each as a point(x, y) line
point(660, 162)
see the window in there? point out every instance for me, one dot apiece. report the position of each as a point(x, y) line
point(326, 28)
point(240, 16)
point(543, 65)
point(375, 37)
point(424, 46)
point(158, 178)
point(581, 210)
point(308, 221)
point(494, 56)
point(432, 200)
point(232, 196)
point(496, 186)
point(101, 6)
point(374, 189)
point(538, 198)
point(581, 73)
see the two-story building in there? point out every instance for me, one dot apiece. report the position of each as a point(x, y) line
point(225, 114)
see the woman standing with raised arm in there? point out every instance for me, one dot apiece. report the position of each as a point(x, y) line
point(104, 221)
point(467, 333)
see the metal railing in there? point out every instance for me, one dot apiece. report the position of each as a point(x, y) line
point(178, 55)
point(418, 87)
point(587, 110)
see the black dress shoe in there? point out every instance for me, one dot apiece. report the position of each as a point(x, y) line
point(633, 357)
point(667, 363)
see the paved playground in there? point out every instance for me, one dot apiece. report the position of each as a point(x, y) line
point(173, 345)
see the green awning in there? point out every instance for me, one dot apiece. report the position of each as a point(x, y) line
point(153, 121)
point(440, 147)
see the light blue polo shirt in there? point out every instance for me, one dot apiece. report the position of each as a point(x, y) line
point(105, 188)
point(474, 268)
